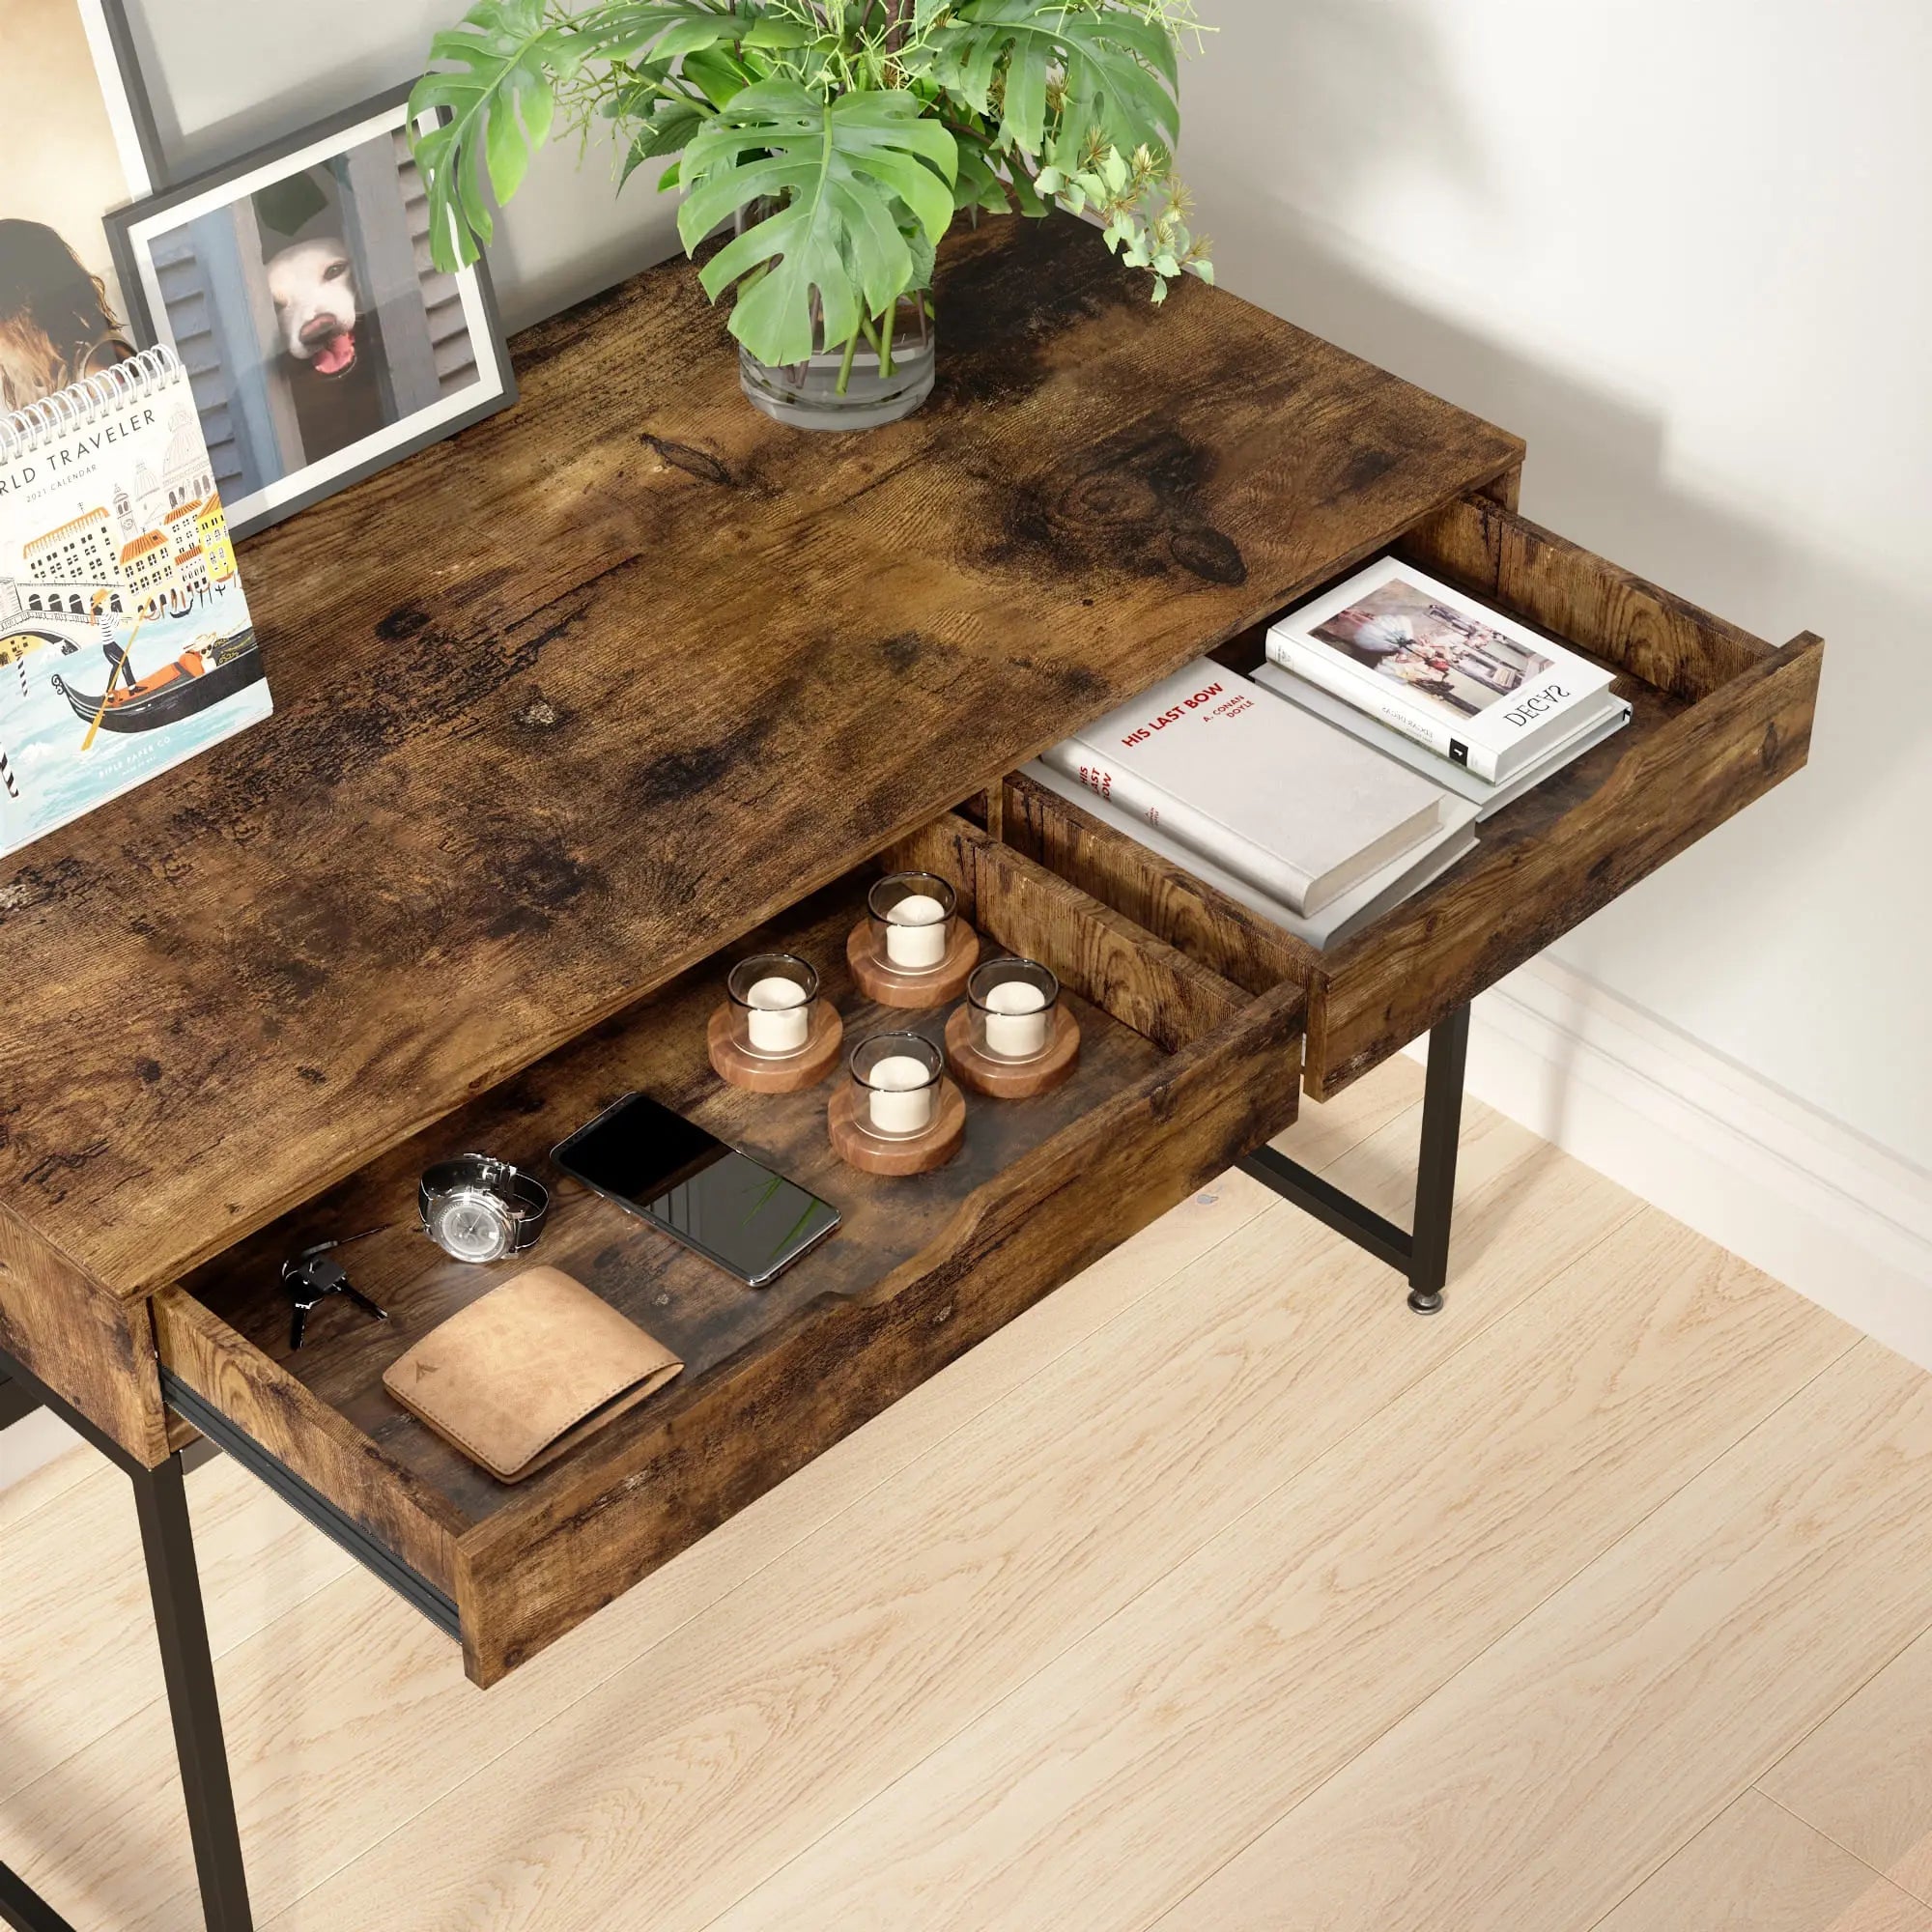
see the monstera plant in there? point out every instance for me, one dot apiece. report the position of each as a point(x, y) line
point(841, 138)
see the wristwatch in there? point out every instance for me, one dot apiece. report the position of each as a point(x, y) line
point(478, 1209)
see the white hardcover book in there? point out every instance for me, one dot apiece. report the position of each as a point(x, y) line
point(1298, 810)
point(1474, 686)
point(1592, 729)
point(1339, 920)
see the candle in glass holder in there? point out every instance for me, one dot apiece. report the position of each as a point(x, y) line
point(916, 933)
point(901, 1101)
point(1015, 1020)
point(777, 1017)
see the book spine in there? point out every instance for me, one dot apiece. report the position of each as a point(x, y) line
point(1366, 694)
point(1164, 812)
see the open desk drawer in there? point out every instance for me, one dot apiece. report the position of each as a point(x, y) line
point(1718, 717)
point(1180, 1074)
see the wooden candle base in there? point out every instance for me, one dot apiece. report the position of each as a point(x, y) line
point(879, 980)
point(846, 1122)
point(1011, 1079)
point(737, 1067)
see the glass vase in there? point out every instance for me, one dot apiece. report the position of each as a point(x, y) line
point(882, 374)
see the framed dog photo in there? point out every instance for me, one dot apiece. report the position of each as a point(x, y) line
point(297, 287)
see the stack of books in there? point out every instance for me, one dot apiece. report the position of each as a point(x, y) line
point(1270, 804)
point(1412, 713)
point(1449, 687)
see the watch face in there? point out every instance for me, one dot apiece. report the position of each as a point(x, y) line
point(471, 1227)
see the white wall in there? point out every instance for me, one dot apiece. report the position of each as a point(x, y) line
point(1681, 245)
point(226, 75)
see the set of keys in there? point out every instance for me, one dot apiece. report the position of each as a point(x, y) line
point(311, 1278)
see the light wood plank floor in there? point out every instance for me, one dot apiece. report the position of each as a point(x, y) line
point(1218, 1592)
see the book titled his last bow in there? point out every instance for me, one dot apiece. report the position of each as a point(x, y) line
point(1301, 810)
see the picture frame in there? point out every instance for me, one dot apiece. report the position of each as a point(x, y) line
point(131, 114)
point(84, 141)
point(294, 285)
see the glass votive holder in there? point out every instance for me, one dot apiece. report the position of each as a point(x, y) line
point(897, 1078)
point(774, 996)
point(912, 919)
point(1011, 1006)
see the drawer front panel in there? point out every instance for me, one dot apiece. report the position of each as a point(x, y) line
point(1718, 718)
point(1180, 1073)
point(527, 1580)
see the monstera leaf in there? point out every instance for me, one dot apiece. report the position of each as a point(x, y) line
point(499, 91)
point(1116, 68)
point(856, 175)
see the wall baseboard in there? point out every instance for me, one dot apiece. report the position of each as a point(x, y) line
point(1793, 1191)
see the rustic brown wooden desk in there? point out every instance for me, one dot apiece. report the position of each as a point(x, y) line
point(570, 710)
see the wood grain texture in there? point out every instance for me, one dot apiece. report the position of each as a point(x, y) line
point(1101, 955)
point(525, 1580)
point(886, 985)
point(403, 1512)
point(731, 1748)
point(1864, 1778)
point(1560, 852)
point(569, 703)
point(1011, 1079)
point(1163, 897)
point(78, 1651)
point(923, 1153)
point(352, 1713)
point(92, 1349)
point(821, 1055)
point(1718, 718)
point(1265, 1663)
point(1639, 1699)
point(921, 1269)
point(1756, 1868)
point(1577, 596)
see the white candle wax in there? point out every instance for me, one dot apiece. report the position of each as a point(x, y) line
point(900, 1100)
point(777, 1019)
point(1015, 1020)
point(916, 933)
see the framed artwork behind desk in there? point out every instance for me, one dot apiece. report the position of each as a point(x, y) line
point(297, 287)
point(79, 141)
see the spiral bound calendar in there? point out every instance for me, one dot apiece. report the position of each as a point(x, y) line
point(126, 644)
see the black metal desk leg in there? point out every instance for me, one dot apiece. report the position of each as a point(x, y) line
point(174, 1583)
point(182, 1625)
point(1436, 1168)
point(1421, 1252)
point(22, 1907)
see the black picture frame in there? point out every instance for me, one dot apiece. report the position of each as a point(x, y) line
point(496, 385)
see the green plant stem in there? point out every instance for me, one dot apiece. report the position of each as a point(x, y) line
point(845, 366)
point(885, 327)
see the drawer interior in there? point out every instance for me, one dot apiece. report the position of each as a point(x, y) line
point(1176, 1067)
point(1718, 717)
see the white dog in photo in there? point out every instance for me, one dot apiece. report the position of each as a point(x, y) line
point(313, 284)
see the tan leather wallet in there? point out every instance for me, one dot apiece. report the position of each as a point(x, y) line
point(525, 1373)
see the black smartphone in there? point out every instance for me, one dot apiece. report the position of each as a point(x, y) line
point(718, 1201)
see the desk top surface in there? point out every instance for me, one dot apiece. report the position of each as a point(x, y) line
point(567, 705)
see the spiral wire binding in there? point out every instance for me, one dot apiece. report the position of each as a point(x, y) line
point(41, 425)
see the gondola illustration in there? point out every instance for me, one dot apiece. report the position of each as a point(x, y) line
point(193, 683)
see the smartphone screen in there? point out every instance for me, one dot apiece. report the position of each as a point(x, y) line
point(716, 1201)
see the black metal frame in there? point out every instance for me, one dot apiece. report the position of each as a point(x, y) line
point(167, 1538)
point(1423, 1253)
